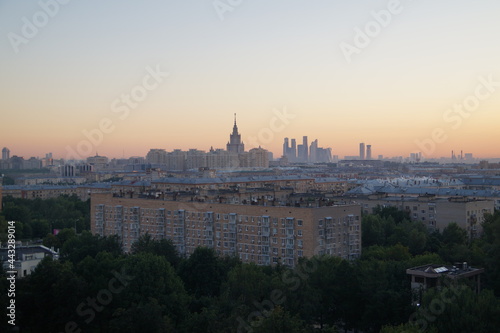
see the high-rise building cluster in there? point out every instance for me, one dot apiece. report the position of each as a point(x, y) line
point(304, 153)
point(365, 153)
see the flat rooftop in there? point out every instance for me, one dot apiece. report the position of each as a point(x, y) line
point(436, 270)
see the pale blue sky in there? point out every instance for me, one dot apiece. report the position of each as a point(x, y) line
point(264, 55)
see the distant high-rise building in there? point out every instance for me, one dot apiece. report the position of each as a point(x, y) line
point(368, 152)
point(313, 151)
point(235, 145)
point(324, 155)
point(290, 152)
point(362, 151)
point(286, 148)
point(5, 153)
point(156, 156)
point(303, 150)
point(304, 142)
point(233, 157)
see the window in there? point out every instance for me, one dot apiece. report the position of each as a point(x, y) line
point(299, 232)
point(299, 222)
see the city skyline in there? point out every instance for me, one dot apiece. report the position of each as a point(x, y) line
point(236, 144)
point(287, 69)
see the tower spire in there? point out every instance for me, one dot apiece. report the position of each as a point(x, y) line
point(235, 127)
point(235, 145)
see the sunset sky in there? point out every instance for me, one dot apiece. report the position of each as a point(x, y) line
point(257, 58)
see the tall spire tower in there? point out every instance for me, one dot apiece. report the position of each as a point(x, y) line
point(235, 145)
point(235, 127)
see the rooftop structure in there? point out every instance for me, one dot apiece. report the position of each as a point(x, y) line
point(27, 258)
point(432, 275)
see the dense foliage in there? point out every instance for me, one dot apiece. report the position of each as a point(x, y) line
point(94, 287)
point(36, 218)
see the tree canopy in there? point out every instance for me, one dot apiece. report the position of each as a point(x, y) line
point(96, 287)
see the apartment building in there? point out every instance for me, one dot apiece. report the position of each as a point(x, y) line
point(436, 213)
point(265, 235)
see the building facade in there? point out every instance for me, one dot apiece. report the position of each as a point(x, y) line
point(265, 235)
